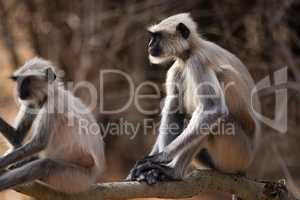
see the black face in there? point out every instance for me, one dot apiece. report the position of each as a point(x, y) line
point(153, 47)
point(23, 84)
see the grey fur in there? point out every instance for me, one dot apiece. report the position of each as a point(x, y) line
point(70, 158)
point(190, 79)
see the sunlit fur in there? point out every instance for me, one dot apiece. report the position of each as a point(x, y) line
point(36, 69)
point(208, 54)
point(69, 122)
point(193, 56)
point(172, 44)
point(35, 66)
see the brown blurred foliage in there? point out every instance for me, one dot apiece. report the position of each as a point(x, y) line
point(84, 37)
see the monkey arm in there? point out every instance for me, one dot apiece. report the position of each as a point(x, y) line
point(175, 157)
point(23, 123)
point(172, 162)
point(172, 120)
point(198, 128)
point(211, 107)
point(37, 144)
point(171, 125)
point(7, 131)
point(24, 120)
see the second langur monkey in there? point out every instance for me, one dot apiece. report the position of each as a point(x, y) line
point(209, 86)
point(68, 154)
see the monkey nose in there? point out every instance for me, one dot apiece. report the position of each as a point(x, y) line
point(23, 95)
point(23, 92)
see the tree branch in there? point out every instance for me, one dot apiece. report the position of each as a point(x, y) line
point(198, 183)
point(201, 181)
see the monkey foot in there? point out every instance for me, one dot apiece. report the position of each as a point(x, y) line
point(150, 173)
point(152, 177)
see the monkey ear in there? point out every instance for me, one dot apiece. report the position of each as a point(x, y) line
point(51, 76)
point(183, 30)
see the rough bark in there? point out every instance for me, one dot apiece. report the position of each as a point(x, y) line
point(198, 183)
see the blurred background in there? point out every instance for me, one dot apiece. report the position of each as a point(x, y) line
point(84, 37)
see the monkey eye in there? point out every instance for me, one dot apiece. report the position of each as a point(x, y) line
point(154, 34)
point(149, 32)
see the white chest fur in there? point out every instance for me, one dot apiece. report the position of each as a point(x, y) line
point(190, 96)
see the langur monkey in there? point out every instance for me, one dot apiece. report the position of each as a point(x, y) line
point(211, 88)
point(67, 156)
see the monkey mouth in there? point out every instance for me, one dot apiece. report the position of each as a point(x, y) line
point(155, 52)
point(159, 60)
point(23, 94)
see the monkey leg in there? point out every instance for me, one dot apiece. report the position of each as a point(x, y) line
point(230, 151)
point(155, 156)
point(9, 133)
point(165, 137)
point(23, 162)
point(59, 175)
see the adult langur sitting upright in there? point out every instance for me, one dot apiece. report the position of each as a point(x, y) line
point(67, 156)
point(212, 88)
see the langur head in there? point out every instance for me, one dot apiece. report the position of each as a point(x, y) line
point(33, 80)
point(171, 38)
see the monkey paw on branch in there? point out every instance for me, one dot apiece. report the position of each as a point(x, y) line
point(152, 169)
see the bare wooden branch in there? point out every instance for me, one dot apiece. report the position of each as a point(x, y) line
point(198, 183)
